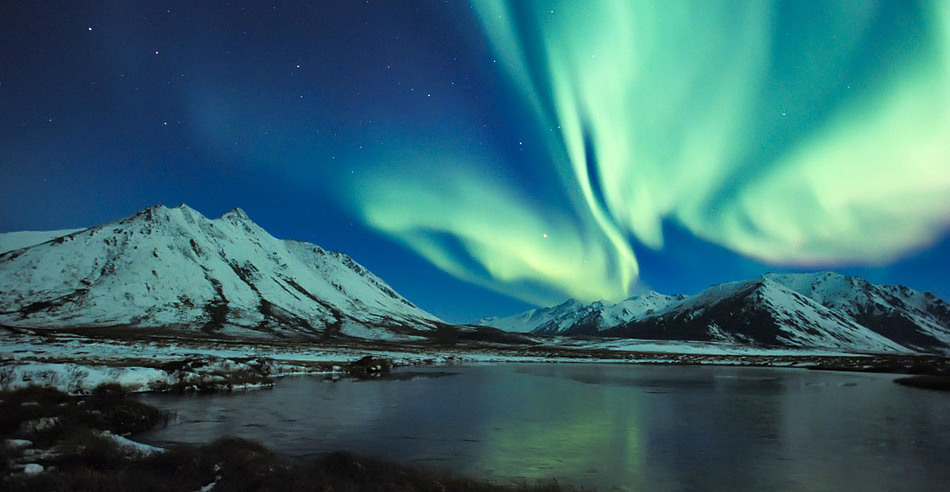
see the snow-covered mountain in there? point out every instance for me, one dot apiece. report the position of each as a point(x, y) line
point(10, 241)
point(794, 310)
point(168, 268)
point(574, 317)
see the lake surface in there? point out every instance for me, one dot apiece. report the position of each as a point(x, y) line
point(614, 427)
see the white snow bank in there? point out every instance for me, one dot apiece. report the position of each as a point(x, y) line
point(131, 447)
point(75, 378)
point(17, 443)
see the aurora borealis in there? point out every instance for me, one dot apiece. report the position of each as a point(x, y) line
point(538, 150)
point(677, 111)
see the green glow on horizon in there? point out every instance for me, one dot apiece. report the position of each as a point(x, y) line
point(518, 246)
point(689, 123)
point(608, 421)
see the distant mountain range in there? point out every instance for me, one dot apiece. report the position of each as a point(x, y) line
point(824, 310)
point(173, 268)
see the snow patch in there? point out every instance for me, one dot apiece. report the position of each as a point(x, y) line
point(131, 447)
point(79, 379)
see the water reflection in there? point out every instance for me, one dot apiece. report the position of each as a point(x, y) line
point(607, 426)
point(557, 428)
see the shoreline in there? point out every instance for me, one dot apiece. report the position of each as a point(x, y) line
point(53, 441)
point(79, 363)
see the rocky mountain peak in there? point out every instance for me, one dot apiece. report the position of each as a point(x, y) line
point(823, 309)
point(163, 268)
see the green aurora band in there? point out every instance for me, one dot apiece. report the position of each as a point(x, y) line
point(794, 133)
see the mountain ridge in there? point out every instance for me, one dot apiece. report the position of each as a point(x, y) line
point(823, 309)
point(11, 241)
point(174, 268)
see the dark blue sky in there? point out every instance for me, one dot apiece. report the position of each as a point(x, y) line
point(411, 136)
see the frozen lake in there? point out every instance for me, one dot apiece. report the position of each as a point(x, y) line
point(614, 427)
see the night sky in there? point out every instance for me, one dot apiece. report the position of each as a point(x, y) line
point(484, 156)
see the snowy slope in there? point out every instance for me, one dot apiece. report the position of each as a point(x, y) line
point(173, 267)
point(760, 312)
point(820, 310)
point(606, 315)
point(10, 241)
point(918, 320)
point(562, 315)
point(575, 317)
